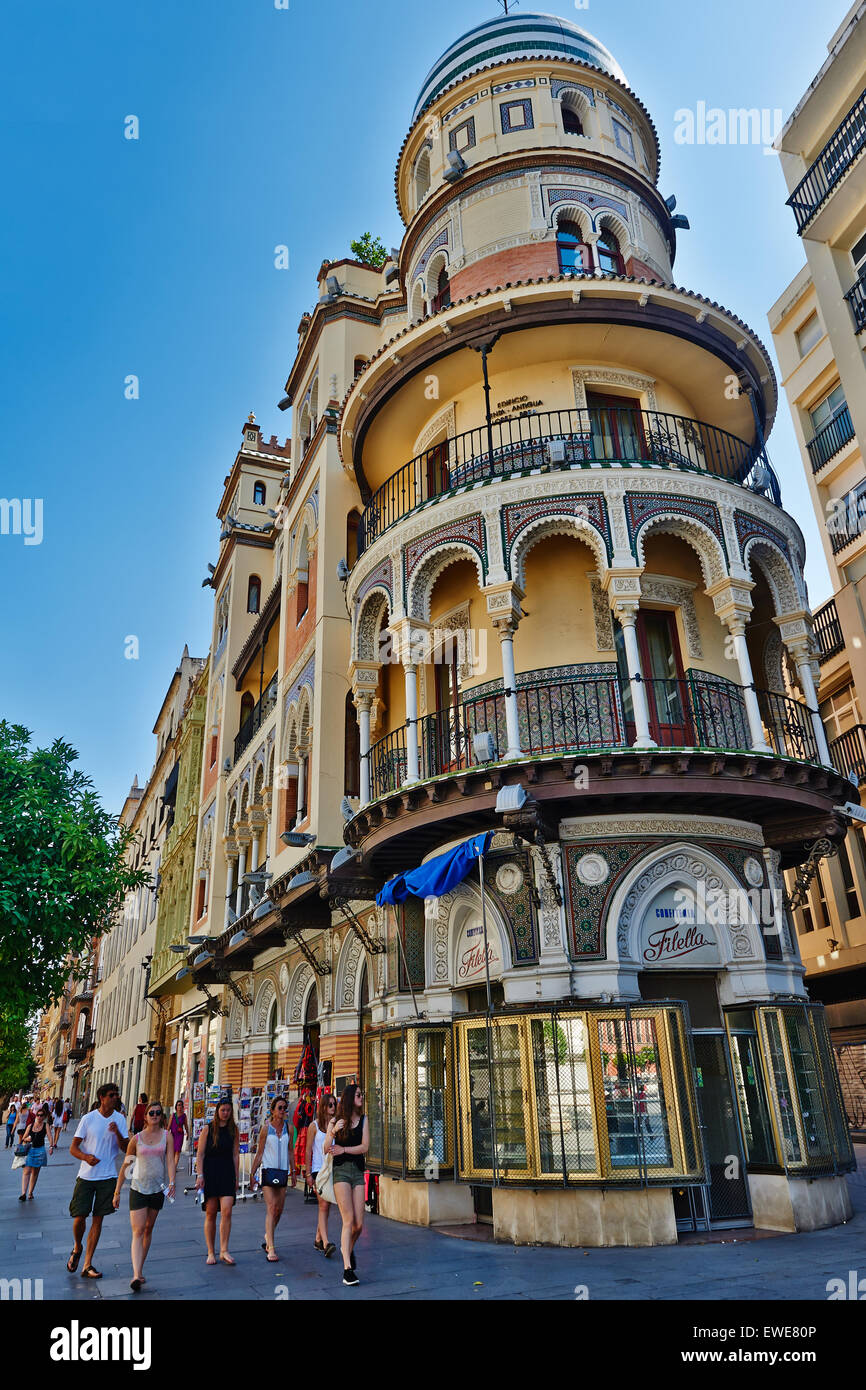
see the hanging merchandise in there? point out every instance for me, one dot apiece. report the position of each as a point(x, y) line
point(306, 1073)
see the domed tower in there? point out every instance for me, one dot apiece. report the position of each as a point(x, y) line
point(579, 622)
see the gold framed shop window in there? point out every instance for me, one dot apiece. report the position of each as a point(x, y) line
point(393, 1048)
point(805, 1101)
point(373, 1089)
point(636, 1097)
point(496, 1102)
point(428, 1101)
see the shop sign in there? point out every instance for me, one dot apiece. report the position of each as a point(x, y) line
point(671, 935)
point(470, 960)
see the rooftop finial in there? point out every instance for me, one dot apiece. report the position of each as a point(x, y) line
point(252, 417)
point(505, 4)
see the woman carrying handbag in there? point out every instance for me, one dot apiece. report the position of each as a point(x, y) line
point(274, 1153)
point(37, 1137)
point(316, 1161)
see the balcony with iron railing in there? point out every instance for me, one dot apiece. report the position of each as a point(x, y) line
point(848, 751)
point(80, 1046)
point(559, 440)
point(582, 714)
point(844, 147)
point(856, 298)
point(256, 718)
point(847, 519)
point(828, 631)
point(830, 439)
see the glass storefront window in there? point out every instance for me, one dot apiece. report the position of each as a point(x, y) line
point(373, 1087)
point(394, 1100)
point(428, 1061)
point(637, 1123)
point(751, 1099)
point(808, 1084)
point(563, 1095)
point(784, 1100)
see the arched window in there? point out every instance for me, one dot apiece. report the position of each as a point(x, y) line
point(259, 494)
point(353, 521)
point(609, 257)
point(311, 1022)
point(571, 122)
point(573, 252)
point(422, 178)
point(442, 297)
point(352, 750)
point(254, 594)
point(303, 590)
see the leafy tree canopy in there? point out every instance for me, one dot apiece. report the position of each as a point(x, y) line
point(63, 875)
point(17, 1067)
point(369, 249)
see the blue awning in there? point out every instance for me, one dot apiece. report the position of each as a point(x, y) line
point(438, 875)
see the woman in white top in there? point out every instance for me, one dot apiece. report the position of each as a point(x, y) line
point(314, 1158)
point(151, 1156)
point(277, 1161)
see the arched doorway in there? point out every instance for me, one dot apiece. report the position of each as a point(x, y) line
point(312, 1029)
point(274, 1072)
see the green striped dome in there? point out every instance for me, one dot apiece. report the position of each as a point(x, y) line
point(514, 36)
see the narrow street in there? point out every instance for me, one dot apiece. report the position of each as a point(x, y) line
point(403, 1262)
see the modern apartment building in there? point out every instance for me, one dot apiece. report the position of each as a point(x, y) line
point(819, 329)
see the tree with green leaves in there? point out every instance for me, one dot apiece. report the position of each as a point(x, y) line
point(369, 249)
point(17, 1067)
point(63, 870)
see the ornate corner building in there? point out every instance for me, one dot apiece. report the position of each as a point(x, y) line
point(819, 328)
point(523, 567)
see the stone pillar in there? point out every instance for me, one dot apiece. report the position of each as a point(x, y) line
point(363, 701)
point(301, 811)
point(796, 633)
point(231, 848)
point(737, 629)
point(365, 682)
point(733, 604)
point(626, 611)
point(243, 839)
point(411, 639)
point(503, 606)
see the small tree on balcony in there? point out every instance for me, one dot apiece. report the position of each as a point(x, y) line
point(63, 874)
point(369, 249)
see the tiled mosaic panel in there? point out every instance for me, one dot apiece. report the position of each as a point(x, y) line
point(412, 930)
point(587, 904)
point(517, 909)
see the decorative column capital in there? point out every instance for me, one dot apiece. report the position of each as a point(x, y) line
point(364, 676)
point(503, 607)
point(411, 641)
point(732, 602)
point(231, 847)
point(795, 630)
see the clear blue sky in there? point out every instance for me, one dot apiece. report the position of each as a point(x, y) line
point(156, 258)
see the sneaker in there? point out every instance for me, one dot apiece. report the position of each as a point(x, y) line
point(350, 1277)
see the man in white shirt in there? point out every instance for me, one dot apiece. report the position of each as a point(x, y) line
point(101, 1135)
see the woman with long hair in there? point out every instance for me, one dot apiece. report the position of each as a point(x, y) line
point(274, 1154)
point(314, 1156)
point(217, 1175)
point(38, 1133)
point(150, 1154)
point(179, 1127)
point(57, 1121)
point(348, 1140)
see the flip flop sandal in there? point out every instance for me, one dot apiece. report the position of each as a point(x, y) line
point(72, 1262)
point(90, 1273)
point(273, 1259)
point(329, 1249)
point(317, 1244)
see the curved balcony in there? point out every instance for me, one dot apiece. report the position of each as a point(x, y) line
point(577, 715)
point(554, 440)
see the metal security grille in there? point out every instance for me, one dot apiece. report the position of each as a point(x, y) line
point(410, 1101)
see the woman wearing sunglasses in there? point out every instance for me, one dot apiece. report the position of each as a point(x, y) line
point(152, 1158)
point(348, 1140)
point(314, 1158)
point(274, 1154)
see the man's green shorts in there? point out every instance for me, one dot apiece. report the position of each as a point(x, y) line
point(89, 1196)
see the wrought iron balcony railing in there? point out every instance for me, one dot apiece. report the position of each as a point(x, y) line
point(828, 631)
point(848, 751)
point(256, 718)
point(79, 1047)
point(856, 298)
point(579, 714)
point(562, 439)
point(845, 145)
point(847, 519)
point(830, 439)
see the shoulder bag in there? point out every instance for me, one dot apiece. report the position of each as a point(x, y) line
point(325, 1180)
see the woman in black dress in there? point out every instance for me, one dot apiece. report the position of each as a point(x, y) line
point(217, 1173)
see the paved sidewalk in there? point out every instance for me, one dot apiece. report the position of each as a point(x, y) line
point(402, 1262)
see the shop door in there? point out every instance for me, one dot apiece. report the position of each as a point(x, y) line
point(725, 1199)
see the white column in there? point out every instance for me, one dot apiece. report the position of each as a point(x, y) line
point(254, 851)
point(509, 683)
point(753, 714)
point(229, 887)
point(205, 1042)
point(810, 695)
point(300, 813)
point(627, 615)
point(242, 868)
point(363, 703)
point(412, 767)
